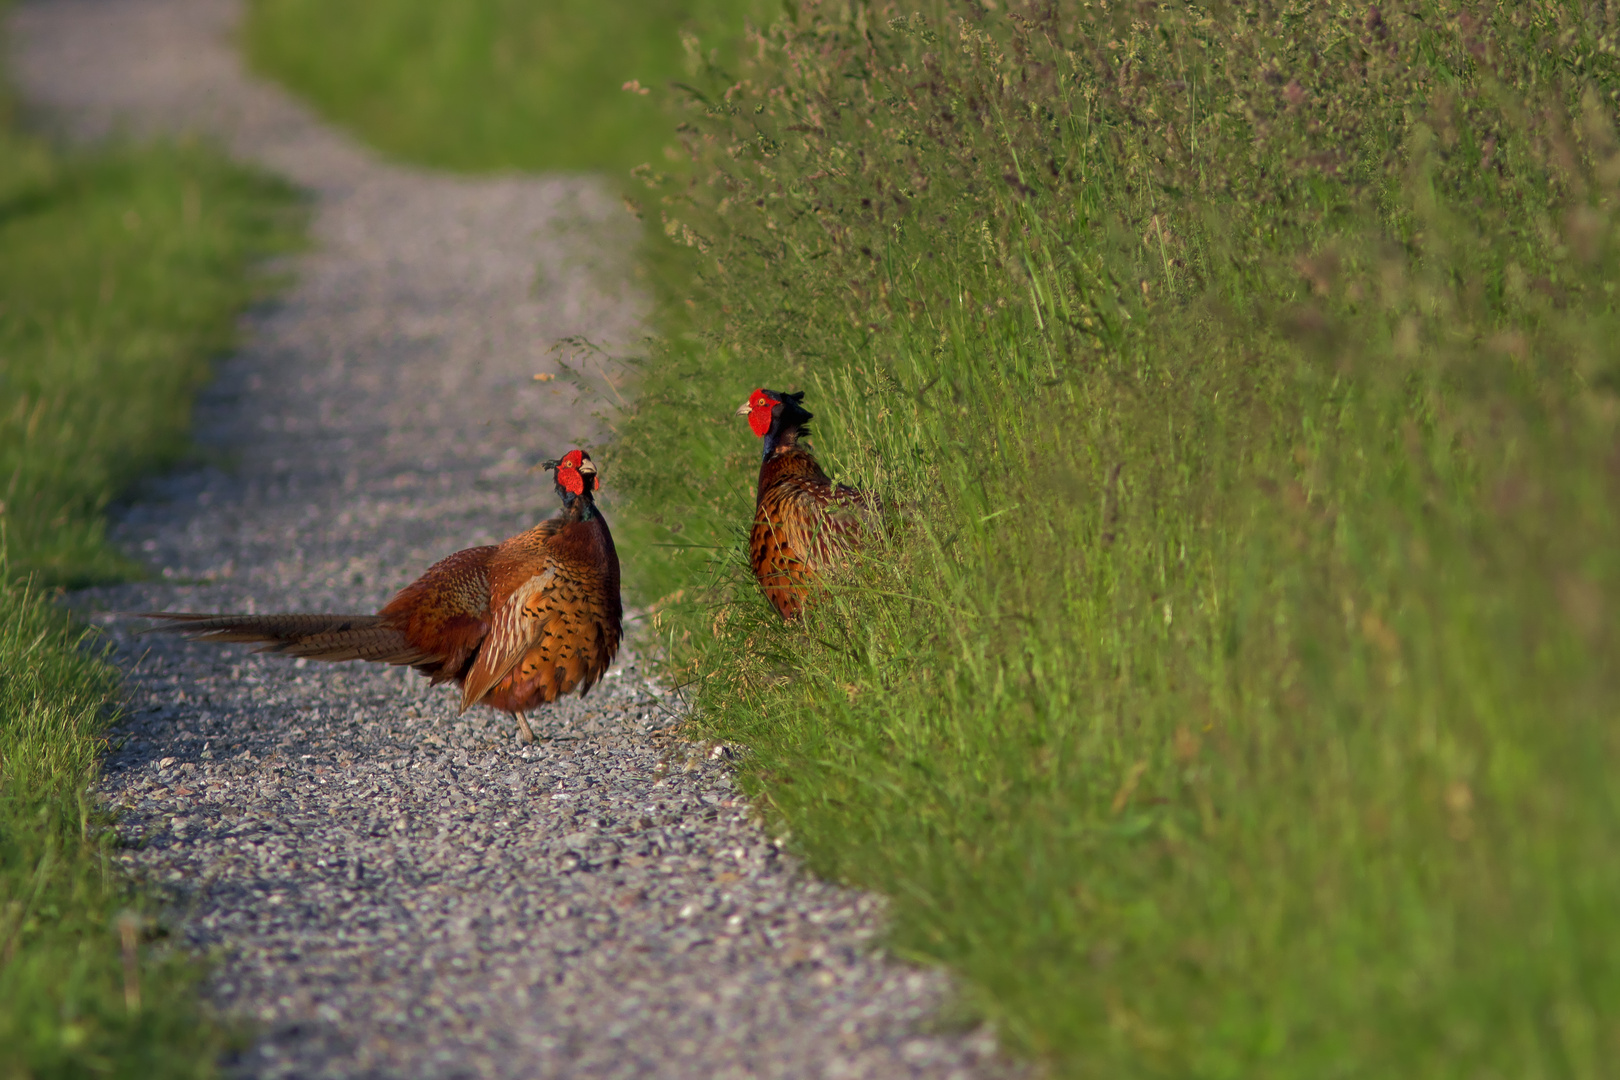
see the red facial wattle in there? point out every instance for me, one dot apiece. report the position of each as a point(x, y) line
point(572, 460)
point(570, 479)
point(760, 406)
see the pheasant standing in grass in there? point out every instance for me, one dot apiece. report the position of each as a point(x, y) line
point(803, 522)
point(514, 624)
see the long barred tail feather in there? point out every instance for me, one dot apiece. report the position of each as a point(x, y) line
point(333, 638)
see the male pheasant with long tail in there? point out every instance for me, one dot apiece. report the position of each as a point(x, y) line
point(803, 522)
point(514, 624)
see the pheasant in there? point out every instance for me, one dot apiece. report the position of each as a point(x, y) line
point(803, 522)
point(514, 624)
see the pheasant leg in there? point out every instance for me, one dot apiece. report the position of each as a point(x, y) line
point(525, 734)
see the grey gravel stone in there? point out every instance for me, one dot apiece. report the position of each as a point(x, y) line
point(389, 889)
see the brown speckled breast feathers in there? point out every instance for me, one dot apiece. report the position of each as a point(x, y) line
point(804, 524)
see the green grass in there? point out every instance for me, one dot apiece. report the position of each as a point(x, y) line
point(490, 84)
point(1236, 692)
point(77, 996)
point(121, 271)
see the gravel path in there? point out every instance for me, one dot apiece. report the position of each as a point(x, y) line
point(392, 891)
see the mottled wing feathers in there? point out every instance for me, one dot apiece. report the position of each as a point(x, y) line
point(516, 622)
point(823, 521)
point(803, 525)
point(445, 612)
point(573, 647)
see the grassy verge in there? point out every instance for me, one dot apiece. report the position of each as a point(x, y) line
point(1236, 692)
point(489, 84)
point(120, 272)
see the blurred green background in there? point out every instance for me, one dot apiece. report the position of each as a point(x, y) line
point(495, 84)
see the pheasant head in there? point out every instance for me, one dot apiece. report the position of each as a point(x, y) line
point(776, 417)
point(576, 476)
